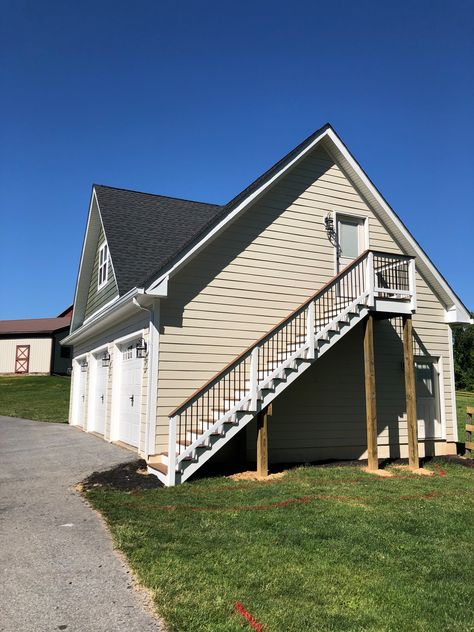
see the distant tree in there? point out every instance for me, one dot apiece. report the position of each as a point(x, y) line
point(463, 336)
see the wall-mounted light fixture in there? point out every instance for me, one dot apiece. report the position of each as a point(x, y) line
point(106, 359)
point(331, 233)
point(84, 365)
point(141, 349)
point(329, 223)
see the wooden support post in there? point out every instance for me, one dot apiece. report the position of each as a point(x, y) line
point(410, 393)
point(262, 441)
point(370, 394)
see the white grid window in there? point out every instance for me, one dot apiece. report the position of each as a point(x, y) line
point(127, 354)
point(103, 266)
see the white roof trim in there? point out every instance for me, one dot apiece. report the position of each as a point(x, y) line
point(233, 214)
point(79, 302)
point(340, 154)
point(424, 263)
point(89, 214)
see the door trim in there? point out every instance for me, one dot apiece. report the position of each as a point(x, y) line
point(76, 367)
point(92, 387)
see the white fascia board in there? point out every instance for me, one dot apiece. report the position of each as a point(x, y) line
point(443, 288)
point(161, 289)
point(86, 234)
point(81, 296)
point(454, 315)
point(234, 214)
point(101, 321)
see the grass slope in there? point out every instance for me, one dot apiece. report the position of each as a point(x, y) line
point(41, 397)
point(323, 549)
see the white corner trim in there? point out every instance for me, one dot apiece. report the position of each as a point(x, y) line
point(153, 367)
point(453, 385)
point(154, 364)
point(439, 366)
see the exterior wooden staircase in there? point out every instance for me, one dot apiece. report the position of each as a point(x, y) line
point(206, 421)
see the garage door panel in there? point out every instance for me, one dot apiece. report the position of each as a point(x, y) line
point(99, 397)
point(130, 396)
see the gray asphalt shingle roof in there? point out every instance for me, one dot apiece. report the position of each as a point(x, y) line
point(144, 230)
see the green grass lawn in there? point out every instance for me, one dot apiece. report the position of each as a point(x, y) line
point(41, 397)
point(322, 549)
point(463, 399)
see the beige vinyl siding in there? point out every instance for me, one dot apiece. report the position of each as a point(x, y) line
point(256, 272)
point(97, 299)
point(40, 354)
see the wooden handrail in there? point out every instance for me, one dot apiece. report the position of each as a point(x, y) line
point(270, 333)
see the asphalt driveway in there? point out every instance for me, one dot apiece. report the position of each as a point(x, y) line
point(59, 569)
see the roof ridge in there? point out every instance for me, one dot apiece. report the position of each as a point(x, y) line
point(169, 197)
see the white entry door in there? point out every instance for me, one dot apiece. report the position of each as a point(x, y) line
point(80, 381)
point(350, 239)
point(351, 244)
point(99, 396)
point(427, 400)
point(130, 395)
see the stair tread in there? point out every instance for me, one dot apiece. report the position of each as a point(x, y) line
point(160, 467)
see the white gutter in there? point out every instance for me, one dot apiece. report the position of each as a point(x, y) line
point(104, 318)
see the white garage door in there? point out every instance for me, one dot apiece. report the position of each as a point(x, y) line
point(98, 395)
point(80, 379)
point(130, 395)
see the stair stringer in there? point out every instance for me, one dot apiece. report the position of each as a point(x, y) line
point(274, 385)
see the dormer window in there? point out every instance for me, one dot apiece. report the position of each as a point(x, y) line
point(103, 266)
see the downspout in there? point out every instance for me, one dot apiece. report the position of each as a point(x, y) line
point(152, 391)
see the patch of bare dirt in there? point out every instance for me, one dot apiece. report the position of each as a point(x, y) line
point(125, 477)
point(381, 473)
point(421, 471)
point(253, 476)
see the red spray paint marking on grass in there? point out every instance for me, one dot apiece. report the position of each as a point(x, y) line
point(252, 622)
point(440, 471)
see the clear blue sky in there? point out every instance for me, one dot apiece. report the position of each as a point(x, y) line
point(195, 99)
